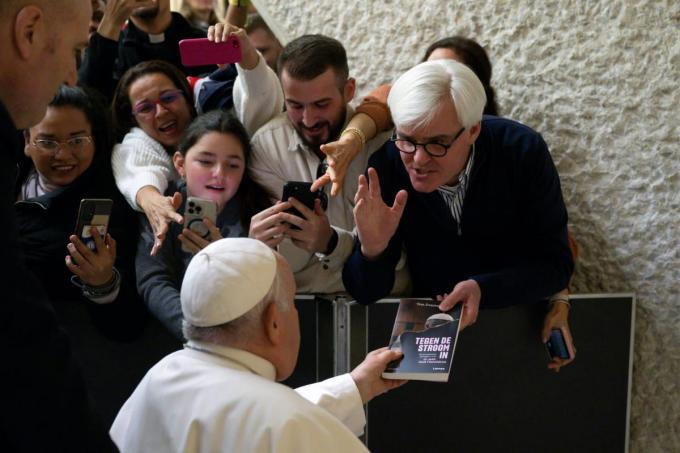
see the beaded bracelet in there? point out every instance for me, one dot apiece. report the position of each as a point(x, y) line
point(98, 291)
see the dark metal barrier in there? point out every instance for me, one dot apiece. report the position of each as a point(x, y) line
point(500, 396)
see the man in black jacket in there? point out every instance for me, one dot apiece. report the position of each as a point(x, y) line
point(45, 405)
point(133, 32)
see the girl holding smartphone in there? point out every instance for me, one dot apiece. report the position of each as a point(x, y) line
point(211, 160)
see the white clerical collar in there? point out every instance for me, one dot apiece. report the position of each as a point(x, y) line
point(156, 39)
point(252, 362)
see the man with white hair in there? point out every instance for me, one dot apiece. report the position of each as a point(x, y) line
point(476, 202)
point(219, 393)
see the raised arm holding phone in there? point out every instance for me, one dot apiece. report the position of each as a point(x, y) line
point(142, 162)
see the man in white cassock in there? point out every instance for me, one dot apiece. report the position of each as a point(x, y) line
point(220, 393)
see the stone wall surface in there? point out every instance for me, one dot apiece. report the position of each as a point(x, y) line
point(601, 81)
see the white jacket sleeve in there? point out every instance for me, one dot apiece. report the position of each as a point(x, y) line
point(257, 95)
point(141, 161)
point(339, 396)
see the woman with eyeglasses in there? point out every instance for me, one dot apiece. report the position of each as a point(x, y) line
point(68, 160)
point(152, 107)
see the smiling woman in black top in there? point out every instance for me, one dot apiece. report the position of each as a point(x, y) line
point(68, 160)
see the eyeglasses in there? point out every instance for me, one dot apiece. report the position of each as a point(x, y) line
point(434, 149)
point(166, 99)
point(74, 144)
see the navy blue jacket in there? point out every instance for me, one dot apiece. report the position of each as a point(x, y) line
point(513, 238)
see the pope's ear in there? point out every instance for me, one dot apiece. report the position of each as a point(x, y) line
point(30, 34)
point(272, 323)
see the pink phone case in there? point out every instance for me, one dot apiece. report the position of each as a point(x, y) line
point(201, 51)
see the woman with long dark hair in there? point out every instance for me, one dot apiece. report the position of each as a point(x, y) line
point(211, 160)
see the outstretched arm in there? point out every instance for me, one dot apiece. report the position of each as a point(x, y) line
point(371, 117)
point(344, 395)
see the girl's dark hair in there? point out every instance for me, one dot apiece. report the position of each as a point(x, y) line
point(253, 197)
point(123, 119)
point(475, 57)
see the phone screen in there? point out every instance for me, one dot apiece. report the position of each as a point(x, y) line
point(556, 345)
point(93, 213)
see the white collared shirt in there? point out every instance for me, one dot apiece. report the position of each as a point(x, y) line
point(455, 195)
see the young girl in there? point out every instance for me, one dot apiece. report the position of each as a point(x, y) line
point(211, 160)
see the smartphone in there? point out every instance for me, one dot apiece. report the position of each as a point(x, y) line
point(557, 345)
point(93, 212)
point(302, 193)
point(203, 52)
point(195, 210)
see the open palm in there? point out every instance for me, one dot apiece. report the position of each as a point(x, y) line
point(376, 222)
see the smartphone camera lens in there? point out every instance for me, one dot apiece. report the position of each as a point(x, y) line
point(198, 209)
point(191, 204)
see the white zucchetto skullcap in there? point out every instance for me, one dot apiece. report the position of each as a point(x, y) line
point(225, 280)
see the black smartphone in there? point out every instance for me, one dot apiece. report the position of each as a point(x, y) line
point(93, 212)
point(557, 346)
point(302, 193)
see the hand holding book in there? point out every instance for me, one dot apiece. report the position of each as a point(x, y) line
point(469, 295)
point(368, 374)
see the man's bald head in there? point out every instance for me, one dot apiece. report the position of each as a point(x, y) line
point(39, 40)
point(9, 8)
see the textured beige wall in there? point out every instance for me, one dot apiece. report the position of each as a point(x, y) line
point(601, 81)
